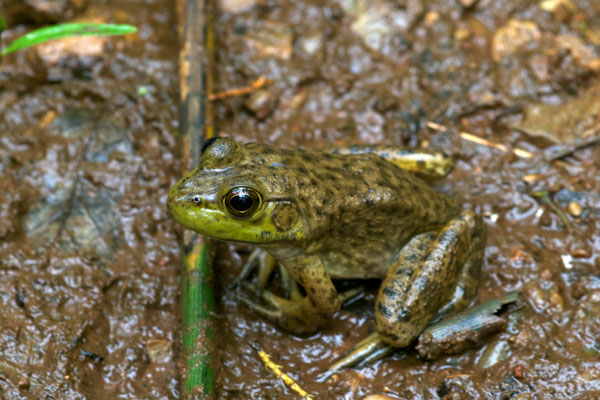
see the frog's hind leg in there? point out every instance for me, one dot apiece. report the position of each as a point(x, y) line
point(373, 347)
point(428, 164)
point(430, 277)
point(435, 273)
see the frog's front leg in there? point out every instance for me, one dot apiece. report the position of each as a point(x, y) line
point(302, 315)
point(261, 260)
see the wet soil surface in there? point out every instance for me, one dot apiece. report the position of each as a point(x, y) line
point(89, 261)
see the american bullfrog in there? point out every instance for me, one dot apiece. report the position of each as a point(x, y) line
point(346, 214)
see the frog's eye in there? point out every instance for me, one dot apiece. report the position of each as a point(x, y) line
point(207, 144)
point(242, 201)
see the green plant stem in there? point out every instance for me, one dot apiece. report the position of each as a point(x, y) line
point(198, 326)
point(197, 276)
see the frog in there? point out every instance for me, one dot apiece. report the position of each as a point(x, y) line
point(357, 212)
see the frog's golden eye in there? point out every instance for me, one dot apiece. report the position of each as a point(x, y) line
point(242, 201)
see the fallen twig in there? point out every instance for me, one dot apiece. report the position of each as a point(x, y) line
point(257, 84)
point(476, 139)
point(282, 375)
point(562, 150)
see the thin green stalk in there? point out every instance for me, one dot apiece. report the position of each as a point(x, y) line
point(198, 328)
point(198, 325)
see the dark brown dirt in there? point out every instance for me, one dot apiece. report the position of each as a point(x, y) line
point(89, 261)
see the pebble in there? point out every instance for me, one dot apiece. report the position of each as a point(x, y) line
point(467, 3)
point(518, 371)
point(575, 209)
point(159, 350)
point(236, 6)
point(260, 103)
point(512, 36)
point(580, 253)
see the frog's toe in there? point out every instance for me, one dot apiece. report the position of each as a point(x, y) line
point(263, 294)
point(268, 305)
point(295, 315)
point(267, 312)
point(368, 350)
point(249, 266)
point(261, 260)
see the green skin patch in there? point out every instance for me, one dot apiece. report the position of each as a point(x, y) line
point(208, 215)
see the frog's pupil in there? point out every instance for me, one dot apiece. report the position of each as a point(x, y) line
point(241, 202)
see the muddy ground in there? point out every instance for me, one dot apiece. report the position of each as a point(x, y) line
point(89, 146)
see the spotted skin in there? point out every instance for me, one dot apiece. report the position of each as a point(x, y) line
point(353, 214)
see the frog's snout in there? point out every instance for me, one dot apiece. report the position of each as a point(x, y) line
point(180, 195)
point(172, 200)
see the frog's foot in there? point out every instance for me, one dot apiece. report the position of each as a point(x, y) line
point(426, 163)
point(296, 313)
point(368, 350)
point(264, 262)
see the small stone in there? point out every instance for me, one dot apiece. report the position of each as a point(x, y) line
point(535, 295)
point(562, 9)
point(521, 339)
point(260, 103)
point(575, 209)
point(583, 53)
point(580, 253)
point(431, 17)
point(236, 6)
point(311, 44)
point(546, 274)
point(462, 34)
point(159, 350)
point(467, 3)
point(556, 301)
point(532, 178)
point(494, 353)
point(567, 260)
point(512, 36)
point(23, 382)
point(518, 371)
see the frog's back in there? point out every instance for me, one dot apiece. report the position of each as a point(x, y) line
point(359, 210)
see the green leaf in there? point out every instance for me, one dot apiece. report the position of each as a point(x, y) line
point(66, 30)
point(2, 23)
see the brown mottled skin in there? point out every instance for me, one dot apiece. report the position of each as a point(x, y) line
point(324, 216)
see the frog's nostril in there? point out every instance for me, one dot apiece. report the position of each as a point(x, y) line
point(197, 199)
